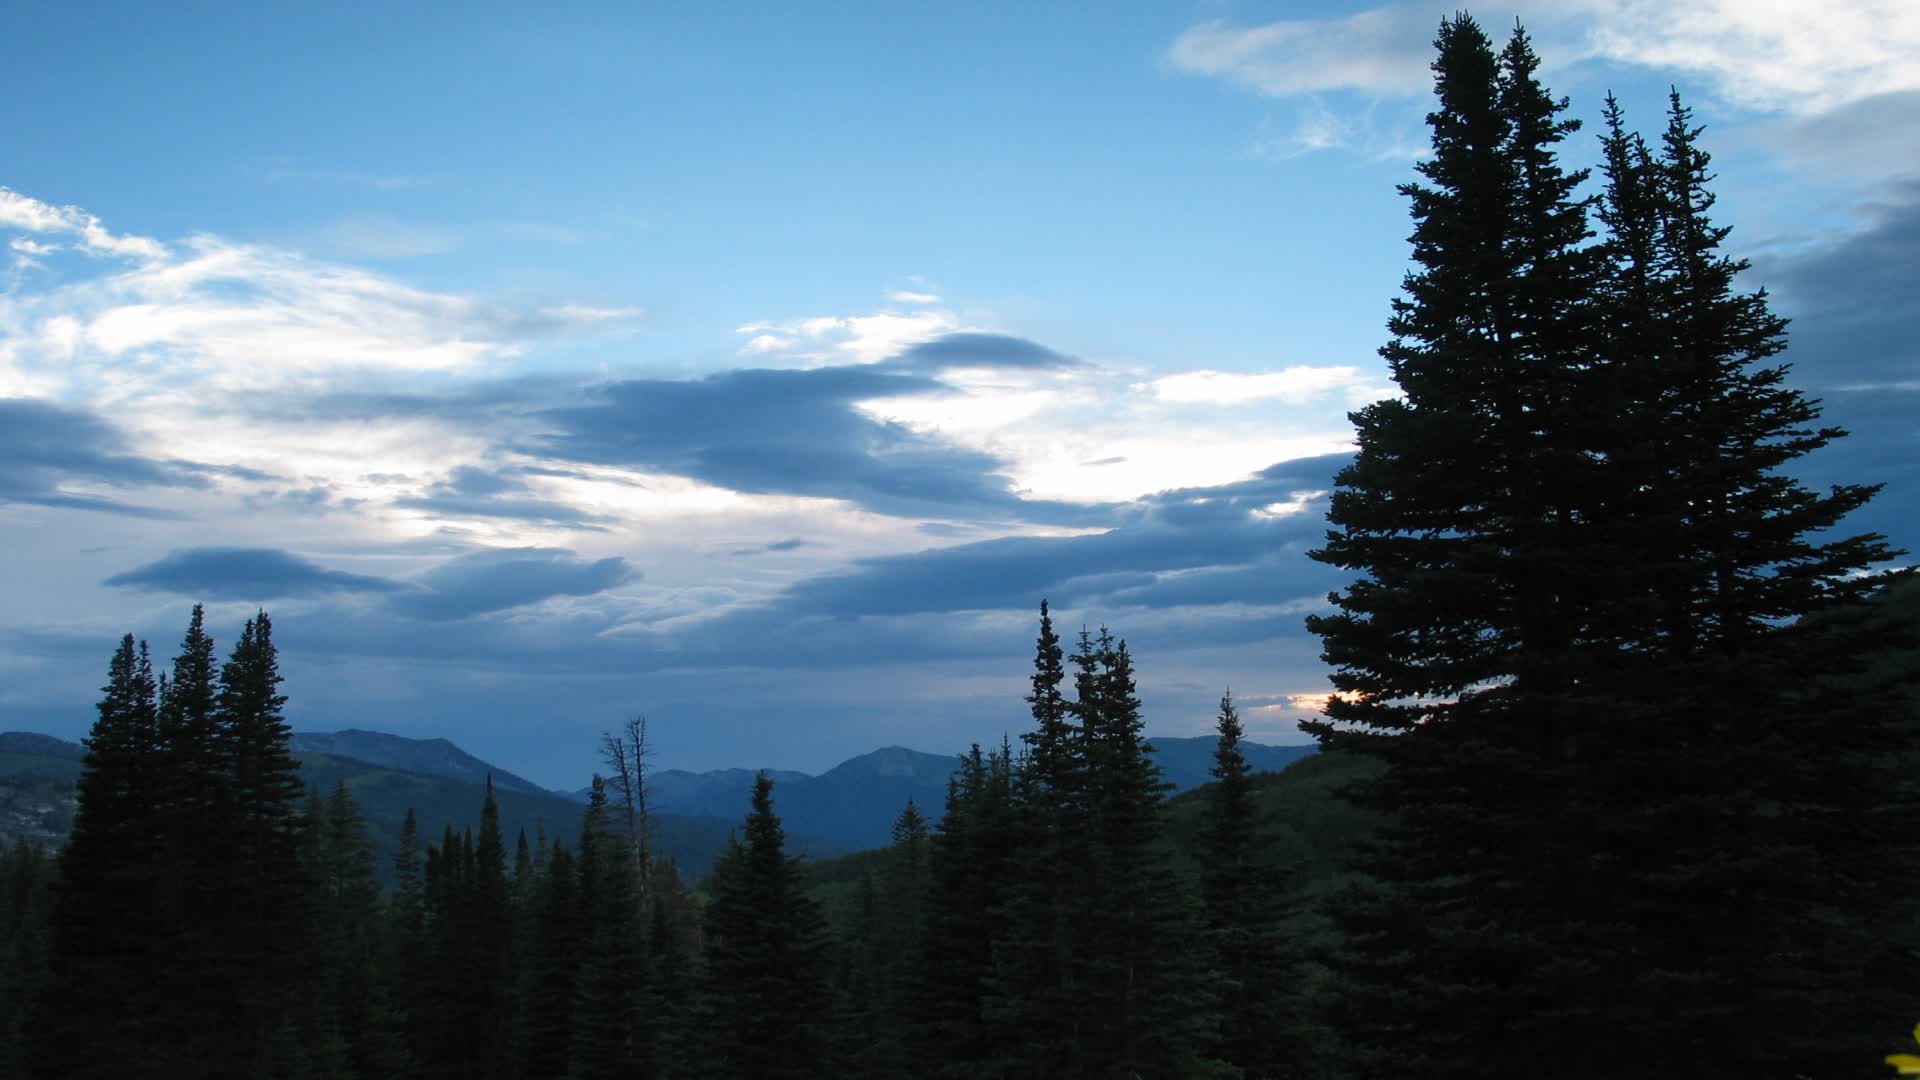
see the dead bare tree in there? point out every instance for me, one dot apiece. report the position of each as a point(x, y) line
point(625, 753)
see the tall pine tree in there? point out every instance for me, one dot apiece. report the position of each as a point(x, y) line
point(95, 1015)
point(1263, 1031)
point(1578, 556)
point(263, 881)
point(764, 988)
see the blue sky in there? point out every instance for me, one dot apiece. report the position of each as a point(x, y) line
point(761, 369)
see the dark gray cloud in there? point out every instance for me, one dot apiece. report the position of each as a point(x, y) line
point(313, 499)
point(1855, 344)
point(251, 574)
point(777, 545)
point(778, 432)
point(1871, 137)
point(980, 350)
point(472, 491)
point(469, 584)
point(1853, 300)
point(1223, 532)
point(45, 447)
point(792, 433)
point(489, 581)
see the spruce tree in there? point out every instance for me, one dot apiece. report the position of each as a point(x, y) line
point(872, 1027)
point(1800, 825)
point(1148, 989)
point(1037, 998)
point(1263, 1031)
point(195, 820)
point(764, 988)
point(669, 971)
point(407, 946)
point(26, 901)
point(1572, 646)
point(490, 941)
point(348, 952)
point(972, 866)
point(95, 1014)
point(612, 1016)
point(264, 884)
point(555, 951)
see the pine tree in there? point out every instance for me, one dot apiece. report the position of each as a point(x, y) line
point(892, 900)
point(1037, 998)
point(1577, 556)
point(764, 988)
point(1148, 990)
point(407, 944)
point(26, 901)
point(1450, 657)
point(971, 867)
point(95, 1012)
point(612, 1031)
point(463, 1013)
point(555, 951)
point(1726, 552)
point(196, 1013)
point(490, 941)
point(669, 971)
point(263, 880)
point(352, 1014)
point(1264, 1032)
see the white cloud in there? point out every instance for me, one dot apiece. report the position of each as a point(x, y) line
point(31, 247)
point(1095, 434)
point(234, 316)
point(19, 211)
point(1384, 50)
point(585, 314)
point(1775, 56)
point(1294, 385)
point(901, 296)
point(834, 339)
point(1770, 55)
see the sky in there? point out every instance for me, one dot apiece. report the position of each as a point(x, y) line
point(760, 368)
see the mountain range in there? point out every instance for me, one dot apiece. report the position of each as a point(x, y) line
point(855, 802)
point(849, 807)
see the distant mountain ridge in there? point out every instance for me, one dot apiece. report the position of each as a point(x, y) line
point(855, 802)
point(434, 757)
point(32, 742)
point(849, 807)
point(1185, 762)
point(37, 798)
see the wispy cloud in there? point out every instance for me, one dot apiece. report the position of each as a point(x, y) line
point(240, 316)
point(1384, 50)
point(1772, 58)
point(84, 230)
point(386, 238)
point(1295, 385)
point(286, 173)
point(865, 339)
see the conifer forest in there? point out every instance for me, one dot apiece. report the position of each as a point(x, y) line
point(1617, 778)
